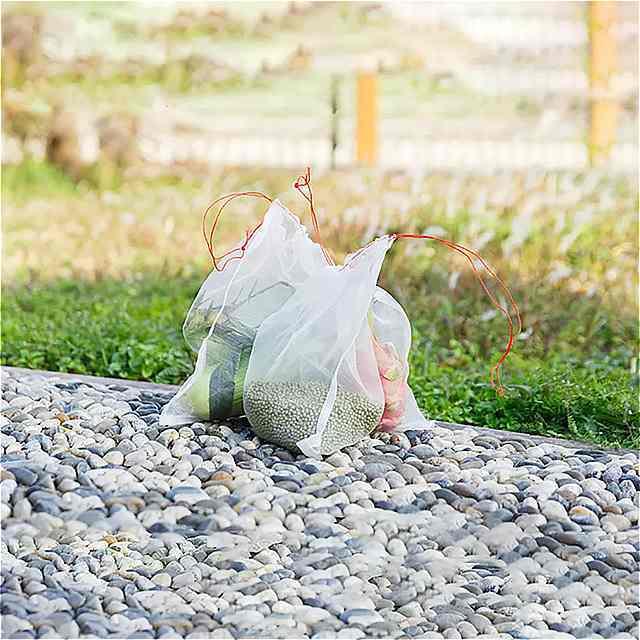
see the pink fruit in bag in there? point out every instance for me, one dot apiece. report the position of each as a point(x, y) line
point(394, 384)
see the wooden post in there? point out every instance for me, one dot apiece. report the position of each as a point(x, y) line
point(602, 65)
point(367, 119)
point(335, 93)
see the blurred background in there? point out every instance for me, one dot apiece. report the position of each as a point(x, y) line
point(509, 127)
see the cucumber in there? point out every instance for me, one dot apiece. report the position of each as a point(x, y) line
point(216, 391)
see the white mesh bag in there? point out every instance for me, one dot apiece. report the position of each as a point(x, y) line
point(313, 380)
point(230, 305)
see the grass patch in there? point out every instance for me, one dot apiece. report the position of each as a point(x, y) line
point(132, 330)
point(562, 396)
point(36, 179)
point(112, 328)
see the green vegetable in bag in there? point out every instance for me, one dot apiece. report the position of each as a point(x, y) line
point(216, 391)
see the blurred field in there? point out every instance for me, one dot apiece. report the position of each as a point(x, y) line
point(116, 119)
point(249, 83)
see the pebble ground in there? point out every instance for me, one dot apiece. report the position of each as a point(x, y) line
point(115, 527)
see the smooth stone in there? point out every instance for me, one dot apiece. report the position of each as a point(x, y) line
point(375, 470)
point(423, 452)
point(402, 595)
point(447, 620)
point(627, 489)
point(583, 516)
point(114, 457)
point(364, 617)
point(553, 510)
point(24, 475)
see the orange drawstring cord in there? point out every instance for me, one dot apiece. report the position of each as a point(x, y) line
point(305, 181)
point(302, 182)
point(208, 237)
point(469, 254)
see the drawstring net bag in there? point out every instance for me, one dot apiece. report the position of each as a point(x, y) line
point(314, 354)
point(246, 286)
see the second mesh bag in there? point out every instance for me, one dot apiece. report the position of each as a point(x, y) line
point(314, 377)
point(231, 305)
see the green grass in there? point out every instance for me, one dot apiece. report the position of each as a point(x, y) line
point(34, 179)
point(110, 328)
point(567, 387)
